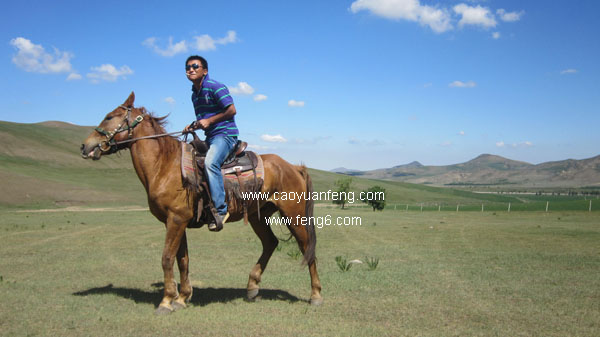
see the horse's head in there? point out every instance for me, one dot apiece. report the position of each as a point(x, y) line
point(116, 127)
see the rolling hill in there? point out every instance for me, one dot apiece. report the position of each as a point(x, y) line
point(489, 169)
point(41, 167)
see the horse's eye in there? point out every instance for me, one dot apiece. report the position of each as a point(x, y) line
point(108, 118)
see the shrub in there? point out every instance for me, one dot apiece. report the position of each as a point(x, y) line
point(342, 264)
point(372, 262)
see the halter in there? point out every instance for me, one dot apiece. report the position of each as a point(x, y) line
point(109, 143)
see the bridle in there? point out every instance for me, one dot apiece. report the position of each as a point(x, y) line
point(111, 145)
point(107, 145)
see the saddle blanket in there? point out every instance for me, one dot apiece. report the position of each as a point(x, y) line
point(190, 176)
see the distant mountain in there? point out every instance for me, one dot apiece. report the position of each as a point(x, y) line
point(493, 162)
point(413, 164)
point(489, 169)
point(345, 171)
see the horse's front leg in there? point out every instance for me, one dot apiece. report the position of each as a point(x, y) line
point(185, 286)
point(175, 232)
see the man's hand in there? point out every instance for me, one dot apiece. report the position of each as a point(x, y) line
point(190, 128)
point(203, 124)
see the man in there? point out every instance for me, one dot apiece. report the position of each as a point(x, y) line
point(215, 113)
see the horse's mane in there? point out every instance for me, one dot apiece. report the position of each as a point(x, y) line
point(168, 144)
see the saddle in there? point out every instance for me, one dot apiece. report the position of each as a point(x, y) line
point(242, 171)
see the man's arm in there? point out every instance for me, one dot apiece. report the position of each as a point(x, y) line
point(221, 116)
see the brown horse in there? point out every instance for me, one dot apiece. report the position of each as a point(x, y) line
point(157, 163)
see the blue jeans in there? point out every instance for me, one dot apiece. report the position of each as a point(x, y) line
point(219, 148)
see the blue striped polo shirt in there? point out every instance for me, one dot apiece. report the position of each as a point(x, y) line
point(210, 100)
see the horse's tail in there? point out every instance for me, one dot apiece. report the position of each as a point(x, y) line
point(309, 254)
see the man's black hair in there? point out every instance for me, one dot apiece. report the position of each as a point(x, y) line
point(198, 58)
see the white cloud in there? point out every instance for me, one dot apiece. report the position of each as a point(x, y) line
point(509, 16)
point(170, 50)
point(411, 10)
point(74, 77)
point(568, 71)
point(230, 38)
point(108, 72)
point(438, 20)
point(375, 142)
point(201, 43)
point(354, 141)
point(314, 140)
point(170, 100)
point(258, 147)
point(461, 133)
point(478, 16)
point(33, 57)
point(427, 85)
point(496, 35)
point(446, 143)
point(460, 84)
point(242, 88)
point(437, 17)
point(522, 144)
point(206, 42)
point(296, 104)
point(515, 145)
point(273, 139)
point(260, 98)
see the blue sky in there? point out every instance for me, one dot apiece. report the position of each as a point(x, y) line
point(361, 84)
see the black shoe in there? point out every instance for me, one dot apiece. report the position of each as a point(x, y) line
point(216, 226)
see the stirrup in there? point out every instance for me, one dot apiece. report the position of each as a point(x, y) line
point(218, 222)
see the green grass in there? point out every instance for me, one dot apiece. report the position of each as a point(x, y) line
point(41, 167)
point(439, 274)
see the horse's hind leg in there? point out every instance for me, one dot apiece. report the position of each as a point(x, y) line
point(185, 286)
point(306, 242)
point(269, 243)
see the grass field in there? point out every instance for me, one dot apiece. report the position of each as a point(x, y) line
point(439, 274)
point(98, 272)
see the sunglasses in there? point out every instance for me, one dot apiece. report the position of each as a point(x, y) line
point(190, 66)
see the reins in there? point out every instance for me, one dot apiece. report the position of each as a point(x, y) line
point(110, 141)
point(148, 137)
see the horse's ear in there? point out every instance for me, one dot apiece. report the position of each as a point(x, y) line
point(129, 101)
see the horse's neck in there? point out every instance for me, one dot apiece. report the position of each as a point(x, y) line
point(150, 160)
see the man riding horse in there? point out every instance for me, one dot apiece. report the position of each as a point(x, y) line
point(215, 113)
point(157, 160)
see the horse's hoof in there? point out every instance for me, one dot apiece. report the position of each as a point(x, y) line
point(178, 306)
point(316, 301)
point(252, 295)
point(162, 310)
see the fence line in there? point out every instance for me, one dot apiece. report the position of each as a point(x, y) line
point(508, 207)
point(575, 205)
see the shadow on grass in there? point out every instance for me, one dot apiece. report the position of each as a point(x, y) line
point(201, 296)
